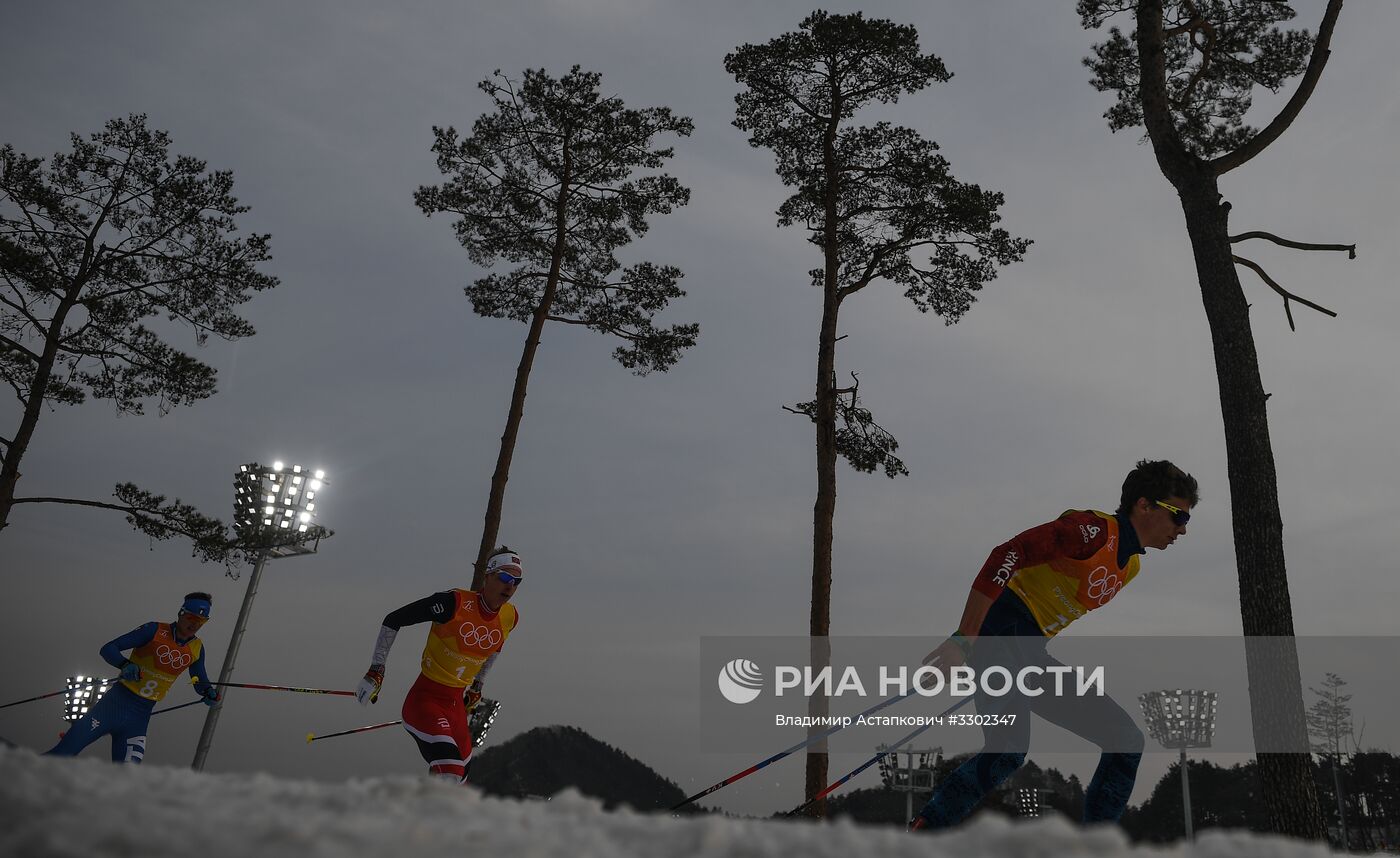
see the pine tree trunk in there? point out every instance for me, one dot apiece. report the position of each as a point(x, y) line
point(34, 403)
point(496, 502)
point(823, 528)
point(824, 509)
point(1275, 688)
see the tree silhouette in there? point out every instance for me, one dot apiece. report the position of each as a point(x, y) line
point(1187, 74)
point(548, 182)
point(112, 234)
point(1330, 723)
point(874, 199)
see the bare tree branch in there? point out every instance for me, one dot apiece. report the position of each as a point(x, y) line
point(1287, 296)
point(1259, 142)
point(1296, 245)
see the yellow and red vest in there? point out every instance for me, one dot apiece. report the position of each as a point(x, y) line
point(1061, 590)
point(457, 649)
point(161, 660)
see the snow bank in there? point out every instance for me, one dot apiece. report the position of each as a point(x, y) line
point(90, 808)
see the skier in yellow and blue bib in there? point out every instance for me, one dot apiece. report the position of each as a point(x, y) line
point(160, 652)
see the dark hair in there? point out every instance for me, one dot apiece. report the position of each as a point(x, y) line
point(205, 596)
point(1157, 480)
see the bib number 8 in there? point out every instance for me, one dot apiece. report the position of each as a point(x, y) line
point(149, 689)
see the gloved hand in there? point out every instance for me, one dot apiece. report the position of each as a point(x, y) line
point(367, 691)
point(131, 671)
point(952, 653)
point(211, 696)
point(472, 696)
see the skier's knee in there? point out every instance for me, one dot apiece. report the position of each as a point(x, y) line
point(1125, 738)
point(134, 750)
point(1128, 741)
point(995, 768)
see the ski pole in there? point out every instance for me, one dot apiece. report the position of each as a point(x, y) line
point(173, 708)
point(284, 688)
point(870, 762)
point(311, 737)
point(799, 746)
point(32, 699)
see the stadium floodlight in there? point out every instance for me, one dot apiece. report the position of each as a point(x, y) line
point(915, 776)
point(1028, 803)
point(1180, 720)
point(482, 717)
point(274, 512)
point(273, 508)
point(80, 693)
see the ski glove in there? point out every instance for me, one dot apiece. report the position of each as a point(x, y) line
point(211, 696)
point(131, 671)
point(472, 696)
point(367, 691)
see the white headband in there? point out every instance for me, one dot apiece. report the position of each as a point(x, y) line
point(506, 561)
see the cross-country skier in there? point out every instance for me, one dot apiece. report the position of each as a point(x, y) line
point(468, 631)
point(160, 652)
point(1028, 591)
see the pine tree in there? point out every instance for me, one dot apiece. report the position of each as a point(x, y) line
point(1187, 74)
point(875, 199)
point(555, 180)
point(112, 234)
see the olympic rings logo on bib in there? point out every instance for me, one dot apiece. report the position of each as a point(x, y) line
point(173, 657)
point(481, 637)
point(1105, 583)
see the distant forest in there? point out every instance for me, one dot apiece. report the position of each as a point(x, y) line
point(1220, 798)
point(543, 761)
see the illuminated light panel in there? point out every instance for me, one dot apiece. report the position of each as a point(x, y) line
point(264, 501)
point(80, 693)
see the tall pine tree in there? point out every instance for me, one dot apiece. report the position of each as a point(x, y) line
point(1187, 73)
point(882, 206)
point(555, 180)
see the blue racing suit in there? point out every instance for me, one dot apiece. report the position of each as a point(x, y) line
point(121, 713)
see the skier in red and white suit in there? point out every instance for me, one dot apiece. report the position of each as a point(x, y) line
point(469, 628)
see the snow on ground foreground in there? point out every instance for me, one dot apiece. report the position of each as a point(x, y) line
point(94, 809)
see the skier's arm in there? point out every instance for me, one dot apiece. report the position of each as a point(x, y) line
point(1076, 535)
point(481, 674)
point(112, 650)
point(472, 695)
point(438, 608)
point(974, 612)
point(476, 689)
point(202, 685)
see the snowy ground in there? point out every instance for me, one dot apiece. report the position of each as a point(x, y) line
point(90, 808)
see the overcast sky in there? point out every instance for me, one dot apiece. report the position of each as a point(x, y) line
point(654, 511)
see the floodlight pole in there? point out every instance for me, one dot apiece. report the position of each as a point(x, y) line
point(1341, 800)
point(908, 786)
point(1186, 797)
point(272, 514)
point(1181, 719)
point(909, 796)
point(211, 719)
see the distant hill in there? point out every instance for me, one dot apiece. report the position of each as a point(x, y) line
point(545, 760)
